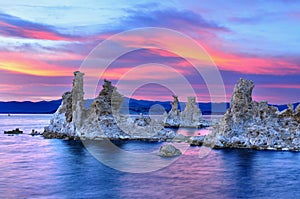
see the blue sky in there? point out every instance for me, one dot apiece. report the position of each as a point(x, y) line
point(258, 40)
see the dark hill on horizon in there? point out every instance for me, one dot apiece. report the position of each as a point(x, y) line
point(29, 107)
point(135, 106)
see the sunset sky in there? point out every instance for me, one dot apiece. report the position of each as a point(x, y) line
point(43, 42)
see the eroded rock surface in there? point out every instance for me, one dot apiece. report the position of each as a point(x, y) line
point(70, 113)
point(172, 119)
point(191, 117)
point(250, 124)
point(297, 113)
point(169, 150)
point(99, 120)
point(102, 120)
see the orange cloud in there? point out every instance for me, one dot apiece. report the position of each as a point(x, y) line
point(18, 62)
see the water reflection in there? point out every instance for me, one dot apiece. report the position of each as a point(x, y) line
point(241, 170)
point(131, 159)
point(82, 176)
point(188, 177)
point(33, 167)
point(192, 131)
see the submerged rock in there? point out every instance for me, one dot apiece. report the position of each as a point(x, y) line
point(169, 150)
point(14, 131)
point(250, 124)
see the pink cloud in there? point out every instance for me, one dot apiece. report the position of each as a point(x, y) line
point(20, 63)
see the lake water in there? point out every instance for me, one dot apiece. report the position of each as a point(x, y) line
point(33, 167)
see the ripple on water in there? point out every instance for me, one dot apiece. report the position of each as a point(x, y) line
point(33, 167)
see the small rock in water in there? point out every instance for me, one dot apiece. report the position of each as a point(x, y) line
point(14, 131)
point(169, 150)
point(34, 132)
point(196, 140)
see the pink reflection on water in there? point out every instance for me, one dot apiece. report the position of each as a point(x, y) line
point(194, 132)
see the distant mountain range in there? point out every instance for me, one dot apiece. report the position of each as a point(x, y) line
point(130, 105)
point(29, 107)
point(158, 107)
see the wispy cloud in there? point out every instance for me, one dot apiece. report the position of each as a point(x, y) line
point(170, 18)
point(12, 26)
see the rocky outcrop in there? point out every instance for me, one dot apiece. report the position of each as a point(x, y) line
point(77, 94)
point(297, 113)
point(142, 120)
point(69, 114)
point(172, 119)
point(144, 128)
point(250, 124)
point(191, 117)
point(196, 140)
point(14, 131)
point(169, 150)
point(34, 133)
point(102, 120)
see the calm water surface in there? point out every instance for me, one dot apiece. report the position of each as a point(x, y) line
point(33, 167)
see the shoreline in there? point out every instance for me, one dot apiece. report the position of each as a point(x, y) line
point(193, 141)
